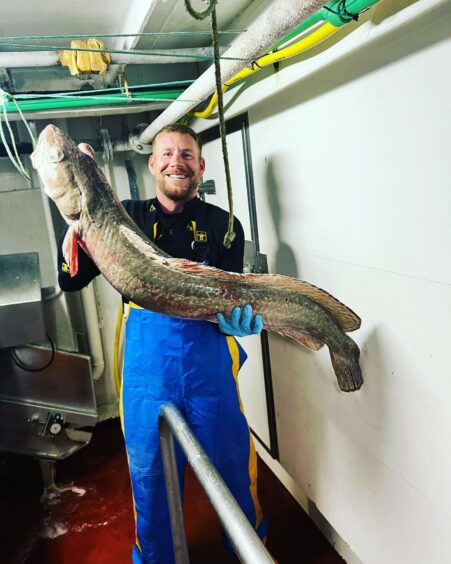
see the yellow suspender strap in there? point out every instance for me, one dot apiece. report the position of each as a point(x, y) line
point(194, 226)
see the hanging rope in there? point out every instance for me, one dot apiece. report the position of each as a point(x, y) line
point(200, 15)
point(211, 10)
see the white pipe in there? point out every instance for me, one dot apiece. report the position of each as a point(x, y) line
point(93, 331)
point(29, 59)
point(193, 55)
point(273, 24)
point(51, 58)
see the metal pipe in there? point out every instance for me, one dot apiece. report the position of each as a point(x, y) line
point(311, 40)
point(29, 59)
point(338, 15)
point(273, 24)
point(36, 58)
point(93, 331)
point(248, 546)
point(173, 492)
point(117, 145)
point(331, 24)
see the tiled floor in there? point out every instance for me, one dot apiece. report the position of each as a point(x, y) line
point(93, 522)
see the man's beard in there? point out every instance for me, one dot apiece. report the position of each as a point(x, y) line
point(179, 195)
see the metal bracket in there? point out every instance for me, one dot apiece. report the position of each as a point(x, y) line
point(54, 424)
point(254, 261)
point(207, 187)
point(6, 82)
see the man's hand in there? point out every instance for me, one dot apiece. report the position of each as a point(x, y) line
point(241, 323)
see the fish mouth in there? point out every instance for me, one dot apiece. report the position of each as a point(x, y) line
point(46, 137)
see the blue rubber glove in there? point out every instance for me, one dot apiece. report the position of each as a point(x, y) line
point(240, 324)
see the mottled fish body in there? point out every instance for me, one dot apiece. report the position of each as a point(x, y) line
point(142, 273)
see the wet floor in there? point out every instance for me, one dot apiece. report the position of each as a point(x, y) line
point(91, 520)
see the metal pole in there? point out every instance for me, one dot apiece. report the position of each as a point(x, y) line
point(173, 493)
point(245, 540)
point(33, 58)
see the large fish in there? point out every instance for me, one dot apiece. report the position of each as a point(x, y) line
point(178, 287)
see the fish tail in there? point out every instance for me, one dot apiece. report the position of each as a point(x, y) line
point(347, 370)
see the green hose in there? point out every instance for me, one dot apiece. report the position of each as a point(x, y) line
point(37, 104)
point(336, 12)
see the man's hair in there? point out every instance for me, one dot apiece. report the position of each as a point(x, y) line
point(179, 128)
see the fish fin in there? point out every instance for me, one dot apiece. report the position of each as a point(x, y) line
point(348, 371)
point(70, 250)
point(346, 319)
point(84, 247)
point(300, 337)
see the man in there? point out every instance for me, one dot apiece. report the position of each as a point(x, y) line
point(193, 364)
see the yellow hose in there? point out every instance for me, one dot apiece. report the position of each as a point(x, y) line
point(313, 39)
point(117, 340)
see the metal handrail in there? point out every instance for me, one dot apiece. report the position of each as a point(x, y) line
point(248, 546)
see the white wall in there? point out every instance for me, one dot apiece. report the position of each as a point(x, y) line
point(352, 172)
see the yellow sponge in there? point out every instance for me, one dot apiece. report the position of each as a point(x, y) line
point(82, 62)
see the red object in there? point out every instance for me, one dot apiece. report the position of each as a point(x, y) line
point(98, 526)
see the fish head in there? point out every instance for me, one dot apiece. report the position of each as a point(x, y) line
point(55, 158)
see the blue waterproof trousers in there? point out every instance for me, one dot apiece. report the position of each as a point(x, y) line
point(190, 364)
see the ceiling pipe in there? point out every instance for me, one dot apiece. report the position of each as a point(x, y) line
point(273, 24)
point(29, 59)
point(93, 332)
point(22, 59)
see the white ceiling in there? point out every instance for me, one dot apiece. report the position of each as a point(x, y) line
point(94, 17)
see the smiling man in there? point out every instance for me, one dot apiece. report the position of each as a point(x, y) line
point(177, 165)
point(193, 364)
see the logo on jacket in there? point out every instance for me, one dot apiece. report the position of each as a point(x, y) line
point(201, 236)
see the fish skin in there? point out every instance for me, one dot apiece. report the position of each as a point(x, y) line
point(144, 274)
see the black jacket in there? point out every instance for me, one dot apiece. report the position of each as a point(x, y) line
point(174, 234)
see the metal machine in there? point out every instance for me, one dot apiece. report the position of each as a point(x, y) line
point(47, 401)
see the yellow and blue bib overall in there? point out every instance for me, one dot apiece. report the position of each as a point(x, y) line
point(194, 366)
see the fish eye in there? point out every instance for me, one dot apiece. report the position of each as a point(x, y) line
point(55, 155)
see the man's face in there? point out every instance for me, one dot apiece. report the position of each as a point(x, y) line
point(177, 166)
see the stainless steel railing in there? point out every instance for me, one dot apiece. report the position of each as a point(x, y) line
point(245, 540)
